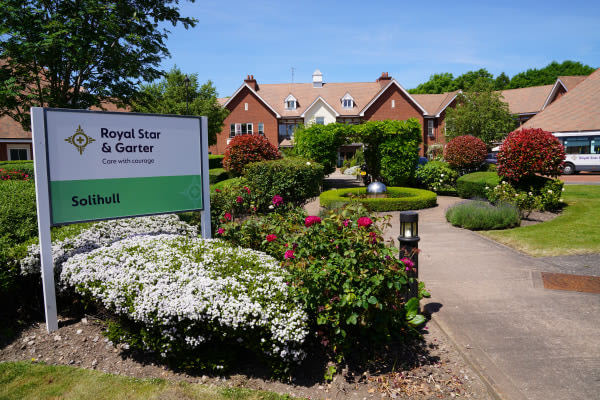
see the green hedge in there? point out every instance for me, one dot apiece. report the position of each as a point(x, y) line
point(215, 161)
point(18, 223)
point(293, 178)
point(217, 175)
point(227, 183)
point(399, 199)
point(473, 185)
point(23, 166)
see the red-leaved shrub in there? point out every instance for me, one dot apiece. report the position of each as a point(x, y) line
point(530, 151)
point(245, 149)
point(465, 152)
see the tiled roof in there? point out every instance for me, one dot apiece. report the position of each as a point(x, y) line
point(577, 110)
point(10, 129)
point(526, 100)
point(571, 81)
point(306, 94)
point(434, 103)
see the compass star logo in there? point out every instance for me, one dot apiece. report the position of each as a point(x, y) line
point(80, 140)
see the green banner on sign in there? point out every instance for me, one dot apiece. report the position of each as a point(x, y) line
point(88, 200)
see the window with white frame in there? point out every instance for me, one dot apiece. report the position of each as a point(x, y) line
point(241, 129)
point(18, 152)
point(430, 132)
point(347, 101)
point(291, 103)
point(320, 120)
point(261, 128)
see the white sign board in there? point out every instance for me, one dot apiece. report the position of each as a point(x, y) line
point(92, 165)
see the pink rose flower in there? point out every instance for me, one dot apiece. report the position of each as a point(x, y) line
point(246, 189)
point(408, 263)
point(289, 254)
point(277, 200)
point(271, 237)
point(239, 200)
point(220, 231)
point(311, 220)
point(227, 216)
point(364, 221)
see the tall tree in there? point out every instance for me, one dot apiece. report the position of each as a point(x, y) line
point(173, 95)
point(501, 82)
point(480, 112)
point(79, 53)
point(466, 80)
point(437, 83)
point(549, 74)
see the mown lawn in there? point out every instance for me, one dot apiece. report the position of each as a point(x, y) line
point(23, 380)
point(575, 231)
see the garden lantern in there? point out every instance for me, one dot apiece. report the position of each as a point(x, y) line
point(409, 244)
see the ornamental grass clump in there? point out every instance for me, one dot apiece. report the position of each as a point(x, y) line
point(481, 215)
point(183, 297)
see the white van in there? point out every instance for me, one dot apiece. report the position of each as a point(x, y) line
point(582, 151)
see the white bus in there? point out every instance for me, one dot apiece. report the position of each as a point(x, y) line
point(582, 151)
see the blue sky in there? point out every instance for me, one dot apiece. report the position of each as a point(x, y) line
point(355, 41)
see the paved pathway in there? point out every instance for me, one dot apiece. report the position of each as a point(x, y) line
point(527, 342)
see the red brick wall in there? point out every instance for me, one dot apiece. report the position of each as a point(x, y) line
point(257, 113)
point(403, 109)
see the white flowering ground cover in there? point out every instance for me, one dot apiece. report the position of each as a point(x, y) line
point(182, 294)
point(102, 234)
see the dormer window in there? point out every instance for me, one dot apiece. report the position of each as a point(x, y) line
point(291, 103)
point(347, 101)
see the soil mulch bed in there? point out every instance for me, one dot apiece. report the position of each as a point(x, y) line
point(427, 369)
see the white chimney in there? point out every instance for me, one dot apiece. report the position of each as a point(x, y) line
point(317, 79)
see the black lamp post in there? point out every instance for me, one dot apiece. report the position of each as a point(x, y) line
point(409, 245)
point(186, 82)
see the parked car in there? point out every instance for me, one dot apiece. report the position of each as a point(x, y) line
point(491, 158)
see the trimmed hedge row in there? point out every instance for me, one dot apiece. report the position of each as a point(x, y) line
point(293, 178)
point(216, 175)
point(473, 185)
point(215, 161)
point(23, 166)
point(399, 199)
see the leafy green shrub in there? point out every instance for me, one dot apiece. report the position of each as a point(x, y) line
point(217, 175)
point(245, 149)
point(18, 215)
point(215, 161)
point(227, 183)
point(392, 149)
point(350, 281)
point(320, 143)
point(536, 193)
point(180, 296)
point(474, 185)
point(465, 153)
point(294, 179)
point(531, 151)
point(438, 177)
point(481, 215)
point(23, 167)
point(268, 233)
point(398, 199)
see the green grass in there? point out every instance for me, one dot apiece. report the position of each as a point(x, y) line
point(24, 380)
point(575, 231)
